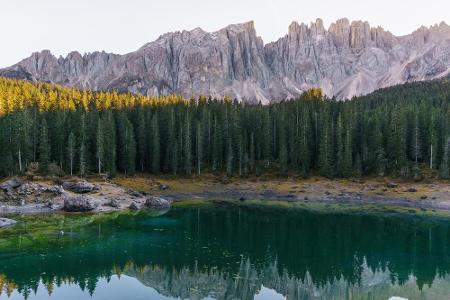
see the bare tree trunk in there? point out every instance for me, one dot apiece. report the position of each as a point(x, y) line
point(20, 160)
point(431, 156)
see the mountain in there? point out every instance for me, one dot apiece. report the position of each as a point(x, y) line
point(348, 59)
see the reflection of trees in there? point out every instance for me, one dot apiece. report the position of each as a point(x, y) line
point(196, 284)
point(198, 253)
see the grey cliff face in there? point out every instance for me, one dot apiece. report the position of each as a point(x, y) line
point(348, 59)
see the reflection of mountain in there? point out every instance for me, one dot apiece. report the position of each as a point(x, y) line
point(230, 252)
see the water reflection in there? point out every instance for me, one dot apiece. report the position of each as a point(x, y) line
point(230, 253)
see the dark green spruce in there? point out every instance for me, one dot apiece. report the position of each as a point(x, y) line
point(397, 131)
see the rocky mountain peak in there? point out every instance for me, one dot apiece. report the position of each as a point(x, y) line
point(347, 59)
point(317, 28)
point(248, 27)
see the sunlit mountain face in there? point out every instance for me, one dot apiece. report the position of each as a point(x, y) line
point(226, 252)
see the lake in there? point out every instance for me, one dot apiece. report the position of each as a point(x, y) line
point(226, 251)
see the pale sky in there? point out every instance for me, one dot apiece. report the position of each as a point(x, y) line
point(122, 26)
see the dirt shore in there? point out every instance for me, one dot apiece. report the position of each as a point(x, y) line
point(123, 192)
point(384, 191)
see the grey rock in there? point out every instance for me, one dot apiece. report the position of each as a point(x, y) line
point(114, 203)
point(163, 187)
point(4, 222)
point(135, 206)
point(78, 203)
point(156, 202)
point(10, 194)
point(57, 190)
point(345, 60)
point(134, 193)
point(10, 184)
point(28, 188)
point(391, 185)
point(79, 187)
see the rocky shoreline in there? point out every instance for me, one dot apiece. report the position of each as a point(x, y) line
point(21, 196)
point(18, 196)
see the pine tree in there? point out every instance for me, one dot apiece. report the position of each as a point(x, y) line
point(305, 158)
point(83, 148)
point(347, 169)
point(71, 151)
point(130, 149)
point(417, 140)
point(433, 141)
point(141, 140)
point(380, 158)
point(216, 146)
point(266, 137)
point(199, 147)
point(444, 170)
point(402, 145)
point(187, 155)
point(390, 132)
point(100, 146)
point(110, 144)
point(282, 144)
point(252, 151)
point(44, 148)
point(228, 140)
point(324, 150)
point(19, 138)
point(58, 137)
point(172, 145)
point(339, 148)
point(155, 145)
point(6, 163)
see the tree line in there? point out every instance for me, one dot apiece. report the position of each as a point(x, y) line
point(396, 131)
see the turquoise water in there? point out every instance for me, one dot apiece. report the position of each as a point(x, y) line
point(226, 252)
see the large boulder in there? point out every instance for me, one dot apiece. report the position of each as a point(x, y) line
point(28, 188)
point(156, 202)
point(135, 206)
point(10, 184)
point(80, 187)
point(4, 222)
point(79, 203)
point(113, 203)
point(391, 185)
point(57, 190)
point(163, 187)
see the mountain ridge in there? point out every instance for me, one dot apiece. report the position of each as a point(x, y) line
point(347, 59)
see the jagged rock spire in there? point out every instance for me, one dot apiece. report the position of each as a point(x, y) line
point(347, 59)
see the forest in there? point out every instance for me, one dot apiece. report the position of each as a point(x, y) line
point(397, 131)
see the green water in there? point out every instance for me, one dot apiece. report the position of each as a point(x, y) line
point(226, 252)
